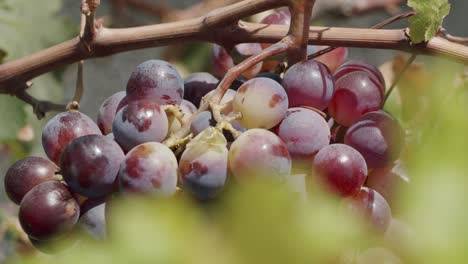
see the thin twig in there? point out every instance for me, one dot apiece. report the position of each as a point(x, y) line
point(377, 26)
point(79, 88)
point(452, 38)
point(40, 107)
point(399, 76)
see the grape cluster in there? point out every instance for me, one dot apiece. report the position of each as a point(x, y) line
point(322, 118)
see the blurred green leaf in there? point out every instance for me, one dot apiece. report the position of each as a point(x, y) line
point(13, 117)
point(429, 16)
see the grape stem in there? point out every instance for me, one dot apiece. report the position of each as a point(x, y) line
point(444, 33)
point(220, 26)
point(398, 77)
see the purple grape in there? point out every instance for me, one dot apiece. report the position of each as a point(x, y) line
point(259, 153)
point(139, 122)
point(353, 66)
point(370, 206)
point(262, 102)
point(378, 137)
point(341, 168)
point(202, 121)
point(93, 219)
point(304, 132)
point(356, 94)
point(309, 83)
point(107, 112)
point(149, 168)
point(62, 129)
point(221, 60)
point(203, 165)
point(197, 85)
point(90, 165)
point(157, 80)
point(48, 211)
point(26, 173)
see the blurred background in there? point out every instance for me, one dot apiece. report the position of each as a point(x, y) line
point(28, 26)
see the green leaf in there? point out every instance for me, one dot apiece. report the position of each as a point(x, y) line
point(13, 117)
point(429, 16)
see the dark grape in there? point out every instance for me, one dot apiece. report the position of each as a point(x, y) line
point(107, 112)
point(203, 165)
point(275, 77)
point(157, 80)
point(356, 94)
point(149, 168)
point(139, 122)
point(262, 102)
point(62, 129)
point(90, 165)
point(370, 206)
point(378, 137)
point(25, 174)
point(259, 153)
point(197, 85)
point(304, 132)
point(341, 168)
point(48, 211)
point(353, 66)
point(309, 83)
point(202, 121)
point(93, 219)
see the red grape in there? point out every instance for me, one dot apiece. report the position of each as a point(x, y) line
point(356, 94)
point(107, 112)
point(48, 211)
point(353, 66)
point(309, 83)
point(378, 137)
point(90, 165)
point(370, 206)
point(341, 168)
point(139, 122)
point(149, 168)
point(304, 132)
point(62, 129)
point(26, 173)
point(157, 80)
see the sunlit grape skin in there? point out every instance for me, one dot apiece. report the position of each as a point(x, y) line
point(197, 85)
point(353, 66)
point(372, 207)
point(203, 166)
point(378, 137)
point(149, 168)
point(187, 109)
point(259, 153)
point(278, 17)
point(107, 112)
point(309, 83)
point(48, 211)
point(27, 173)
point(139, 122)
point(341, 168)
point(262, 102)
point(62, 129)
point(304, 132)
point(157, 80)
point(356, 94)
point(90, 165)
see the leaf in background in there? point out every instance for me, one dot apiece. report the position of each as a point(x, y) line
point(27, 27)
point(429, 16)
